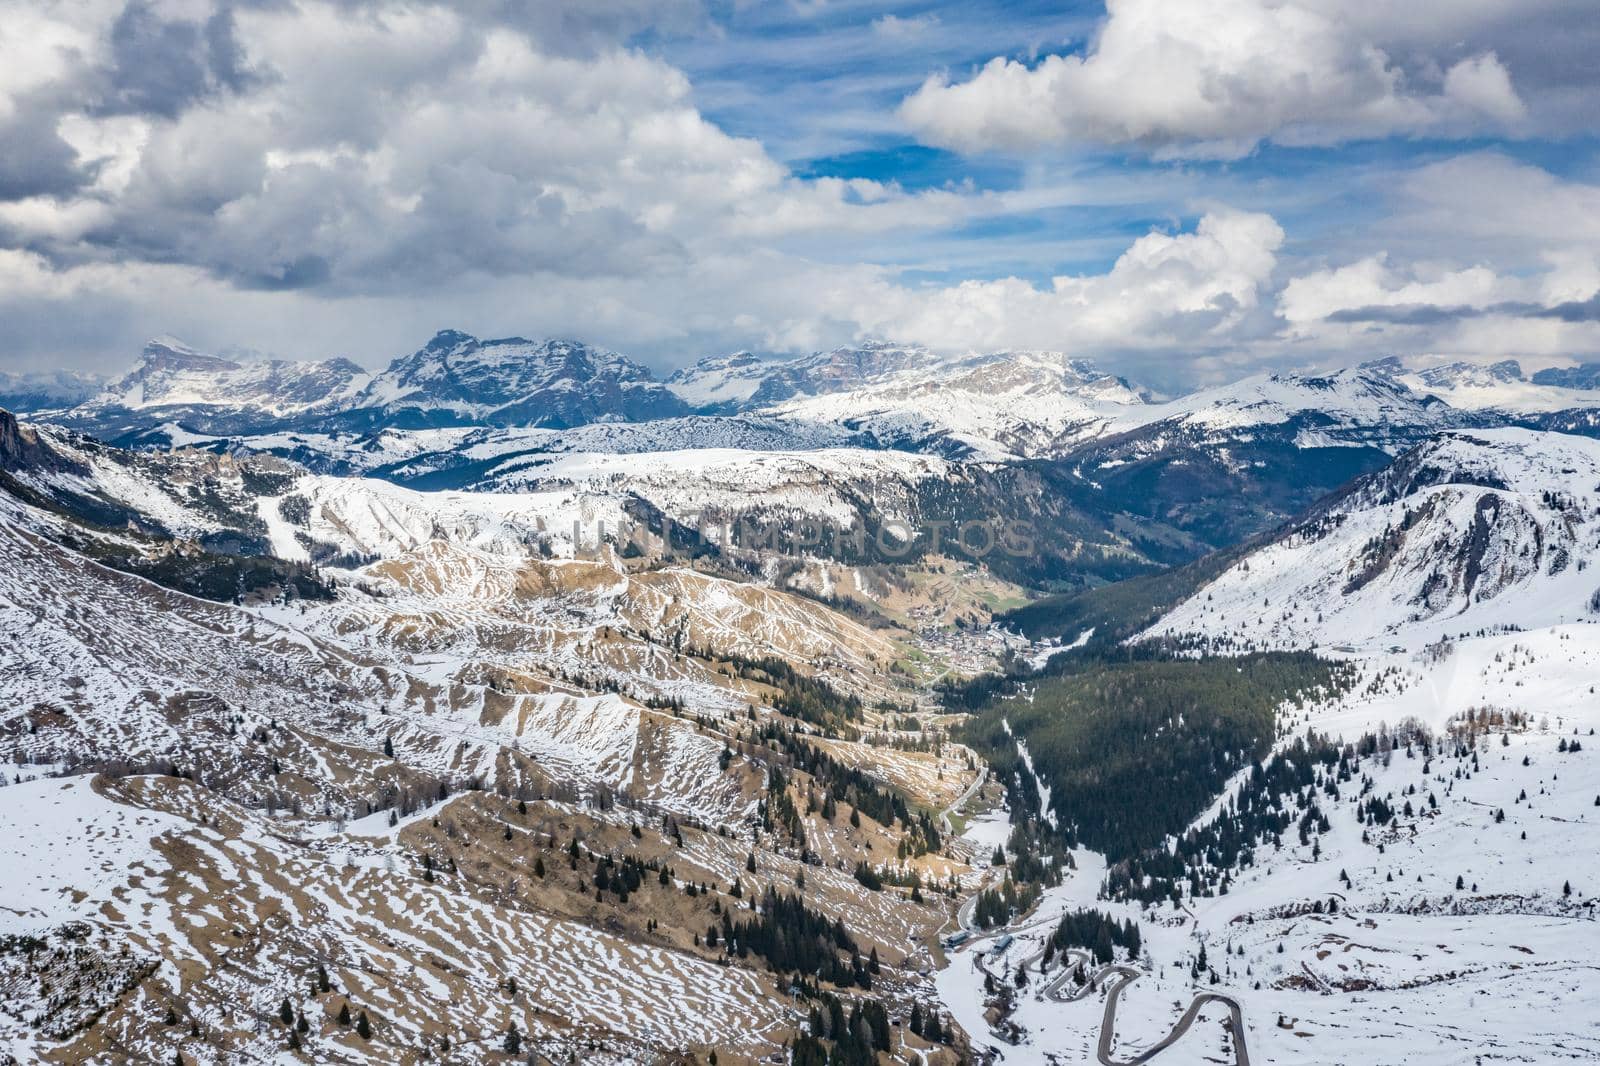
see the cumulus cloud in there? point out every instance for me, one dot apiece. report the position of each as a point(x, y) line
point(1216, 79)
point(1194, 288)
point(1373, 283)
point(1509, 268)
point(412, 146)
point(196, 166)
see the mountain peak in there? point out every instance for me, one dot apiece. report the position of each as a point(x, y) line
point(459, 378)
point(169, 353)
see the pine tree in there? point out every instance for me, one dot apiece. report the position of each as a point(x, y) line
point(344, 1013)
point(294, 1040)
point(286, 1012)
point(513, 1041)
point(322, 978)
point(363, 1027)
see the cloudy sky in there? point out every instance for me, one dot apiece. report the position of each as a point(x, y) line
point(1182, 190)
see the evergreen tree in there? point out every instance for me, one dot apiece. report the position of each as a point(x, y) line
point(363, 1027)
point(513, 1040)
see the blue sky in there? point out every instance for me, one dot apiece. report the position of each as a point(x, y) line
point(1183, 192)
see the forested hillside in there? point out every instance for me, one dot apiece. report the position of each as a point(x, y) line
point(1132, 748)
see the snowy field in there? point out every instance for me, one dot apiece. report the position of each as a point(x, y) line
point(1408, 968)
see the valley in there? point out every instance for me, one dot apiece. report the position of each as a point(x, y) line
point(406, 738)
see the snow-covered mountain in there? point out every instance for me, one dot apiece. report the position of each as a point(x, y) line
point(1002, 405)
point(350, 804)
point(1585, 377)
point(46, 390)
point(742, 381)
point(458, 379)
point(1225, 463)
point(1353, 407)
point(1502, 389)
point(172, 378)
point(1471, 530)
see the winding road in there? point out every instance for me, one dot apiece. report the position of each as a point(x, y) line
point(1108, 1023)
point(1122, 975)
point(944, 815)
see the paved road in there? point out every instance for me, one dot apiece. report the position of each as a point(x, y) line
point(1126, 975)
point(944, 815)
point(1108, 1024)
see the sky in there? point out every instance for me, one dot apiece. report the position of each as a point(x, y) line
point(1184, 192)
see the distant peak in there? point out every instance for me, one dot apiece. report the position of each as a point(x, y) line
point(170, 353)
point(449, 338)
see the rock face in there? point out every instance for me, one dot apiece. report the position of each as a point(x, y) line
point(21, 448)
point(1586, 376)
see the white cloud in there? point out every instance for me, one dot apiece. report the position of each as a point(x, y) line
point(1374, 283)
point(903, 29)
point(1500, 261)
point(1186, 288)
point(434, 164)
point(1215, 79)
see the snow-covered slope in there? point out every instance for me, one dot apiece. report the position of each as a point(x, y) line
point(259, 797)
point(1458, 925)
point(998, 405)
point(1473, 530)
point(1349, 407)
